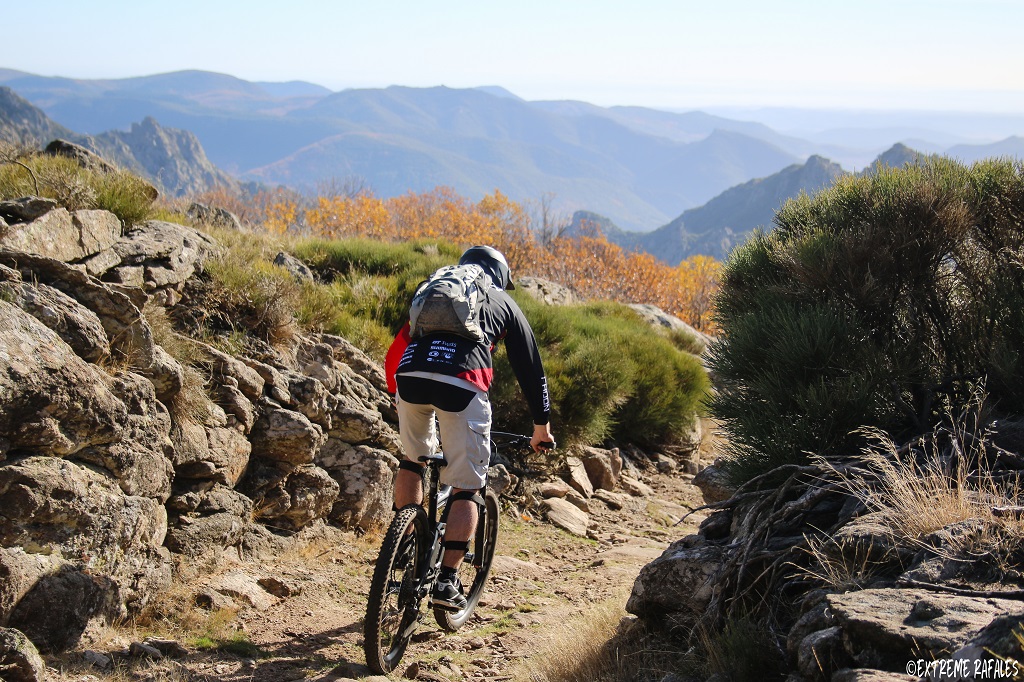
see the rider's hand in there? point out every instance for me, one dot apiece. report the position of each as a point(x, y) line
point(541, 434)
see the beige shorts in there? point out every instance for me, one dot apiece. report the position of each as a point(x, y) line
point(465, 439)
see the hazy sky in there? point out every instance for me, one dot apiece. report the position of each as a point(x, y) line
point(890, 54)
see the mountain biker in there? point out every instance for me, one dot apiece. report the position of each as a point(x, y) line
point(448, 375)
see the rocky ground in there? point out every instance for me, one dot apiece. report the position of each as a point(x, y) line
point(313, 631)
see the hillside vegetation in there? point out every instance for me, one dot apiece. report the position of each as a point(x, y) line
point(610, 376)
point(883, 301)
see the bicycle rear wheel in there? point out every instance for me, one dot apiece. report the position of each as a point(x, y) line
point(476, 566)
point(392, 606)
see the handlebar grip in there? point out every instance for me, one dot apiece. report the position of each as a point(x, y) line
point(546, 444)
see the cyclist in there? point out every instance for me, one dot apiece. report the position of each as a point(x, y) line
point(448, 375)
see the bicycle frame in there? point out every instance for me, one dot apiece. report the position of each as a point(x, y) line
point(437, 496)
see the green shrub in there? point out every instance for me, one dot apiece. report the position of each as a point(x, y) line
point(253, 295)
point(127, 196)
point(878, 302)
point(609, 374)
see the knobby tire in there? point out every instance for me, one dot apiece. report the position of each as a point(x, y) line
point(392, 607)
point(473, 577)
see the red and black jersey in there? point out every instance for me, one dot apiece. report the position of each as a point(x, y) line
point(500, 318)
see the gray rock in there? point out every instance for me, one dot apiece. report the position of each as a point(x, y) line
point(243, 587)
point(295, 267)
point(681, 582)
point(546, 291)
point(613, 500)
point(215, 216)
point(554, 488)
point(85, 157)
point(992, 649)
point(656, 317)
point(63, 236)
point(309, 493)
point(76, 325)
point(821, 653)
point(19, 572)
point(577, 500)
point(210, 452)
point(286, 436)
point(26, 209)
point(58, 608)
point(141, 458)
point(634, 487)
point(714, 484)
point(237, 406)
point(578, 478)
point(361, 365)
point(566, 516)
point(55, 506)
point(364, 475)
point(884, 628)
point(131, 338)
point(101, 263)
point(599, 467)
point(206, 537)
point(98, 232)
point(499, 479)
point(168, 253)
point(249, 381)
point(53, 401)
point(19, 659)
point(310, 397)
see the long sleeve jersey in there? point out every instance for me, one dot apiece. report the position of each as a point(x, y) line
point(500, 318)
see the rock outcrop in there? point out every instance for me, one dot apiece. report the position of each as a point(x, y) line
point(852, 596)
point(120, 464)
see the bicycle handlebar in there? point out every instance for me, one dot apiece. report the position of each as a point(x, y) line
point(505, 439)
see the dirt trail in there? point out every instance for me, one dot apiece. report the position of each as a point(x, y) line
point(541, 577)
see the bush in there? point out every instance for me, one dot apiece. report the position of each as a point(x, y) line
point(879, 302)
point(611, 376)
point(127, 196)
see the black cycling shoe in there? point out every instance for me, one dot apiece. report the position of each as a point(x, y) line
point(447, 595)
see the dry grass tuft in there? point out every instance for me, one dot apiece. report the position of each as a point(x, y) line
point(602, 645)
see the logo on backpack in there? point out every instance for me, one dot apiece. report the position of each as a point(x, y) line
point(450, 302)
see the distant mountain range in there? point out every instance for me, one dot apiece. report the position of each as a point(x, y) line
point(173, 160)
point(706, 179)
point(719, 225)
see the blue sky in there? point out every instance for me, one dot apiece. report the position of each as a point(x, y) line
point(964, 55)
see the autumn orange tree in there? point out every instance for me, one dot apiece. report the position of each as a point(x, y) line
point(587, 263)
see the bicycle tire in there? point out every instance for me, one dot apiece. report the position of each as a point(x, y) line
point(392, 607)
point(474, 576)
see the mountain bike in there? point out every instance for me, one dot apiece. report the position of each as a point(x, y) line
point(410, 561)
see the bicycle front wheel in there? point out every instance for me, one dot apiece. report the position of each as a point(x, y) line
point(476, 565)
point(392, 605)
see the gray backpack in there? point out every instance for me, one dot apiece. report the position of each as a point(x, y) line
point(450, 302)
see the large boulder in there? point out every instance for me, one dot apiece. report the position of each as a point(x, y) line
point(140, 460)
point(210, 519)
point(566, 516)
point(364, 475)
point(131, 337)
point(19, 659)
point(76, 325)
point(286, 436)
point(50, 399)
point(167, 253)
point(681, 582)
point(64, 236)
point(885, 628)
point(111, 544)
point(85, 158)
